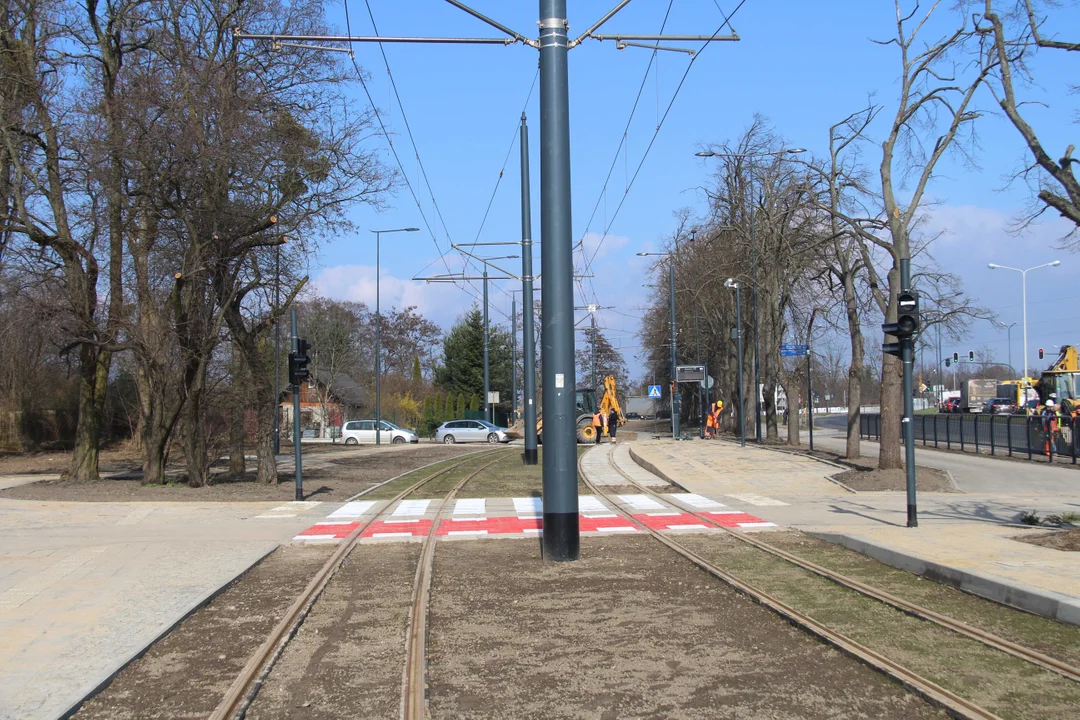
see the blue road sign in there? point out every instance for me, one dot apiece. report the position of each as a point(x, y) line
point(654, 392)
point(794, 350)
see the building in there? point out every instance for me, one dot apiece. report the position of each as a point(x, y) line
point(326, 400)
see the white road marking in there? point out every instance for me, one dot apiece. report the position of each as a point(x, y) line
point(386, 535)
point(308, 538)
point(664, 514)
point(618, 528)
point(335, 522)
point(353, 509)
point(467, 532)
point(470, 506)
point(528, 506)
point(753, 499)
point(726, 512)
point(413, 520)
point(590, 503)
point(532, 530)
point(687, 527)
point(412, 507)
point(301, 504)
point(641, 502)
point(267, 517)
point(601, 516)
point(694, 500)
point(756, 524)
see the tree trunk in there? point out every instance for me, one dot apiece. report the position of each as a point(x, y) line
point(84, 458)
point(237, 464)
point(154, 441)
point(892, 410)
point(793, 430)
point(854, 384)
point(195, 456)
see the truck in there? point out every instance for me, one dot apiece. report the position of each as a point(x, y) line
point(1062, 379)
point(975, 393)
point(641, 404)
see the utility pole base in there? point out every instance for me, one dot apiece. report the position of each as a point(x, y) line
point(562, 537)
point(532, 457)
point(912, 517)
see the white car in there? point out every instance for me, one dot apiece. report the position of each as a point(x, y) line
point(355, 432)
point(457, 431)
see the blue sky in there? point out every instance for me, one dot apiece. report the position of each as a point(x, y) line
point(803, 65)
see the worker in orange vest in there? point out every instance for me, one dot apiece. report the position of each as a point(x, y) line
point(710, 421)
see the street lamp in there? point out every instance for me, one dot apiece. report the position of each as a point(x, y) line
point(737, 332)
point(671, 299)
point(753, 262)
point(378, 331)
point(1023, 276)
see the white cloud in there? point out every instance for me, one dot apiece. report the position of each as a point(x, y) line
point(439, 302)
point(601, 245)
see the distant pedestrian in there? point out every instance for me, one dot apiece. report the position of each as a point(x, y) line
point(598, 425)
point(612, 423)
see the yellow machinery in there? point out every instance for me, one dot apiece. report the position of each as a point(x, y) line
point(585, 407)
point(1063, 379)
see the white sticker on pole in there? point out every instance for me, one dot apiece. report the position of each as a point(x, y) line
point(559, 381)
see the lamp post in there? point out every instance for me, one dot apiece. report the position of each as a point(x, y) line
point(378, 330)
point(1023, 276)
point(702, 401)
point(753, 263)
point(737, 332)
point(671, 301)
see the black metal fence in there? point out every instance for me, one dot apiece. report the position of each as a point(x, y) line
point(1013, 435)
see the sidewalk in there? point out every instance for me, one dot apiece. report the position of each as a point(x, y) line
point(963, 539)
point(86, 586)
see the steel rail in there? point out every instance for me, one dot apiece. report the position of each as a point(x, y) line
point(247, 683)
point(927, 689)
point(989, 639)
point(414, 687)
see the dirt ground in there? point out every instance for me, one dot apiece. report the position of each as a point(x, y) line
point(186, 673)
point(329, 474)
point(626, 632)
point(346, 661)
point(867, 479)
point(1069, 540)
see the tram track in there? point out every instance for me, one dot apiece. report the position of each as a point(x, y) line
point(931, 691)
point(246, 685)
point(989, 639)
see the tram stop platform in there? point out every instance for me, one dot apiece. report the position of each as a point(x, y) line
point(967, 540)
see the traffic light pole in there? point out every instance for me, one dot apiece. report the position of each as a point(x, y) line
point(296, 417)
point(675, 404)
point(907, 357)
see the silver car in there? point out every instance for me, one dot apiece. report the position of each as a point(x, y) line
point(457, 431)
point(355, 432)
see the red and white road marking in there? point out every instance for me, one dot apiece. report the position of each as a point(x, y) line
point(595, 517)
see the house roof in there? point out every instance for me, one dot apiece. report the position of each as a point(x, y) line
point(342, 387)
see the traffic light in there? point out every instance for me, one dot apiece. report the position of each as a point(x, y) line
point(907, 321)
point(948, 361)
point(298, 362)
point(971, 355)
point(1040, 353)
point(956, 357)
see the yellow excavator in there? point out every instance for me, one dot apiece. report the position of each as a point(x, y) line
point(1063, 380)
point(585, 407)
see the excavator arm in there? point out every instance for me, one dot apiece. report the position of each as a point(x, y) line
point(611, 400)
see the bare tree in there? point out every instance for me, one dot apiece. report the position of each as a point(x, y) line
point(1007, 41)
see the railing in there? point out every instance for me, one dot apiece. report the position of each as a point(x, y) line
point(1029, 436)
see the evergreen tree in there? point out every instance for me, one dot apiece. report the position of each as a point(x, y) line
point(448, 409)
point(474, 402)
point(461, 405)
point(417, 370)
point(437, 408)
point(463, 357)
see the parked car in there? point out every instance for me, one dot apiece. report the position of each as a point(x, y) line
point(999, 406)
point(456, 431)
point(951, 405)
point(633, 416)
point(355, 432)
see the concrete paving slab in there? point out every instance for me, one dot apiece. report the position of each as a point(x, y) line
point(966, 540)
point(85, 587)
point(10, 481)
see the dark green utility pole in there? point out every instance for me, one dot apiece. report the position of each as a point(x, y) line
point(528, 327)
point(561, 535)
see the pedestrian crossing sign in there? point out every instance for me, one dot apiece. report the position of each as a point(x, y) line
point(654, 392)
